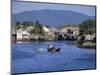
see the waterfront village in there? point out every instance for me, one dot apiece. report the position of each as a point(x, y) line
point(84, 35)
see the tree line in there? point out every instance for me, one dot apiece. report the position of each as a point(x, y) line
point(86, 27)
point(37, 26)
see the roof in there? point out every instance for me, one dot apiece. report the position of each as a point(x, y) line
point(23, 32)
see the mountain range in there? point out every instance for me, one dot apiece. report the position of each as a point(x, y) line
point(51, 17)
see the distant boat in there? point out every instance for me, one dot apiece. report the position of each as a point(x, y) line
point(53, 49)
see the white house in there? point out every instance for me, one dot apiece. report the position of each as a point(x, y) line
point(73, 28)
point(46, 30)
point(66, 28)
point(76, 33)
point(22, 34)
point(26, 35)
point(30, 28)
point(54, 29)
point(89, 37)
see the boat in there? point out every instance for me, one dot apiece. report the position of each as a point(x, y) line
point(53, 49)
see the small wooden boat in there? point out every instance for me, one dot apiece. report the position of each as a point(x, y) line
point(53, 49)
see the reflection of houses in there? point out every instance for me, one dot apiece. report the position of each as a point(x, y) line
point(22, 35)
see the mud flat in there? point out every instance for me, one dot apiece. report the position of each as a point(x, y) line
point(88, 45)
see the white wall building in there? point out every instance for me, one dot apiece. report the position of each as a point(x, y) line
point(46, 30)
point(76, 32)
point(30, 28)
point(22, 34)
point(89, 37)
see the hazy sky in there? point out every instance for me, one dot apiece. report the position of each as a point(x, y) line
point(18, 7)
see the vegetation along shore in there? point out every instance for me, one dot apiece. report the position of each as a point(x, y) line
point(84, 33)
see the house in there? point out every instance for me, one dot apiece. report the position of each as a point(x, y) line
point(70, 31)
point(22, 35)
point(47, 30)
point(65, 29)
point(34, 37)
point(89, 37)
point(75, 32)
point(30, 28)
point(19, 34)
point(53, 30)
point(26, 35)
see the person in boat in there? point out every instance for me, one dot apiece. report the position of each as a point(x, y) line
point(51, 48)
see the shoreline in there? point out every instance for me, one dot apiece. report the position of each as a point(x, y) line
point(87, 45)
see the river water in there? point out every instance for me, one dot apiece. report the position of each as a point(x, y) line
point(29, 57)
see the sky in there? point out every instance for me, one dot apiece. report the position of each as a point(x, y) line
point(18, 7)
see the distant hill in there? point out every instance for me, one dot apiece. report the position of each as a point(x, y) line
point(51, 17)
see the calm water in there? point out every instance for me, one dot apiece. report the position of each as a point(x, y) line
point(27, 57)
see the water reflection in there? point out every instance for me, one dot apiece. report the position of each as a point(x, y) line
point(34, 57)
